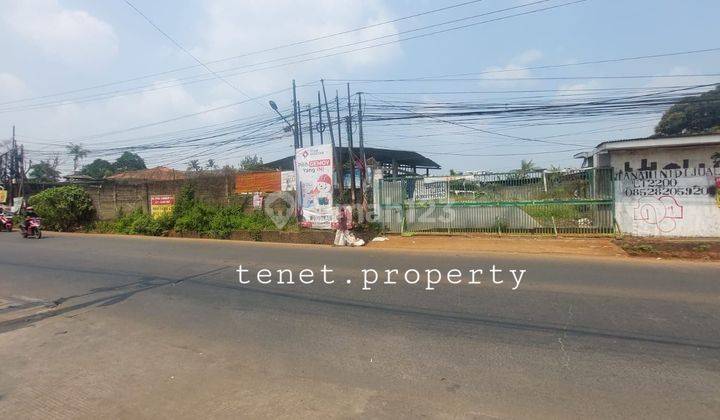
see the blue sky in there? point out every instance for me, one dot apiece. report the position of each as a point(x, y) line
point(51, 46)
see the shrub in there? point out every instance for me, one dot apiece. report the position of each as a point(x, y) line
point(229, 219)
point(191, 215)
point(194, 219)
point(63, 208)
point(144, 224)
point(185, 201)
point(138, 223)
point(225, 221)
point(102, 226)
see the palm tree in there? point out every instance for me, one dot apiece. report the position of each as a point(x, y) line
point(77, 151)
point(194, 165)
point(528, 166)
point(211, 164)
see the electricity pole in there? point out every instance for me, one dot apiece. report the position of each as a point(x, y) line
point(363, 175)
point(12, 163)
point(320, 123)
point(350, 149)
point(309, 109)
point(341, 170)
point(299, 124)
point(338, 159)
point(295, 116)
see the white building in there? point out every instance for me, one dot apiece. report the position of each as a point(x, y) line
point(664, 186)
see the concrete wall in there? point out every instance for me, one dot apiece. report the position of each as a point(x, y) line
point(111, 197)
point(667, 191)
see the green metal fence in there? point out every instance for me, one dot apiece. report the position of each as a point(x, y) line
point(542, 202)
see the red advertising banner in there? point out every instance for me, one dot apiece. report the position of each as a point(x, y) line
point(161, 204)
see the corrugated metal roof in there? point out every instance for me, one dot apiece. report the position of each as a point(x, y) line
point(657, 141)
point(402, 157)
point(679, 136)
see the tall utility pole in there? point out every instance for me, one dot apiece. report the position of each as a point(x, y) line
point(300, 141)
point(363, 176)
point(327, 112)
point(295, 116)
point(338, 159)
point(21, 184)
point(339, 124)
point(320, 123)
point(351, 156)
point(12, 164)
point(337, 108)
point(309, 109)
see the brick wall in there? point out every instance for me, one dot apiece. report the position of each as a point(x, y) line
point(110, 197)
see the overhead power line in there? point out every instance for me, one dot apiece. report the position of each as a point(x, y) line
point(183, 49)
point(580, 63)
point(441, 79)
point(305, 58)
point(274, 48)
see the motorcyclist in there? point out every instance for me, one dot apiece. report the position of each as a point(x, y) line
point(29, 214)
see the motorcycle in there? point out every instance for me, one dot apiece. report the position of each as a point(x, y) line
point(6, 222)
point(31, 228)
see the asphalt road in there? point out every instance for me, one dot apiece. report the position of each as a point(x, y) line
point(128, 327)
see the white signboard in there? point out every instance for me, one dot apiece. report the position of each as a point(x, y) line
point(17, 204)
point(287, 181)
point(668, 202)
point(314, 167)
point(425, 191)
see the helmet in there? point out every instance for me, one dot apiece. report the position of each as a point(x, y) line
point(29, 208)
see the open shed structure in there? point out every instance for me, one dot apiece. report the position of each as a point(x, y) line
point(395, 162)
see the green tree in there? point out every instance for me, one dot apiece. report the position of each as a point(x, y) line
point(693, 114)
point(251, 163)
point(63, 208)
point(78, 152)
point(129, 161)
point(194, 165)
point(45, 171)
point(211, 164)
point(98, 169)
point(527, 166)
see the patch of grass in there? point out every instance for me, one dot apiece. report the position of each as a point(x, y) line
point(500, 225)
point(645, 248)
point(702, 248)
point(550, 211)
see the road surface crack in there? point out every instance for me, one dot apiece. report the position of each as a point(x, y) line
point(565, 355)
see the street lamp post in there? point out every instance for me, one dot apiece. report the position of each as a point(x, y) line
point(290, 127)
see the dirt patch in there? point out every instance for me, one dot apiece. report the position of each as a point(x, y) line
point(508, 244)
point(318, 237)
point(702, 249)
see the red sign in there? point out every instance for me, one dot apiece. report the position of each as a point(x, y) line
point(320, 162)
point(161, 200)
point(161, 204)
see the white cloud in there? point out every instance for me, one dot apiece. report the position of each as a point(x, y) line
point(12, 87)
point(527, 57)
point(70, 36)
point(677, 78)
point(514, 69)
point(226, 28)
point(233, 28)
point(574, 91)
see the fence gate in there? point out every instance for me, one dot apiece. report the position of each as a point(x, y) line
point(542, 202)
